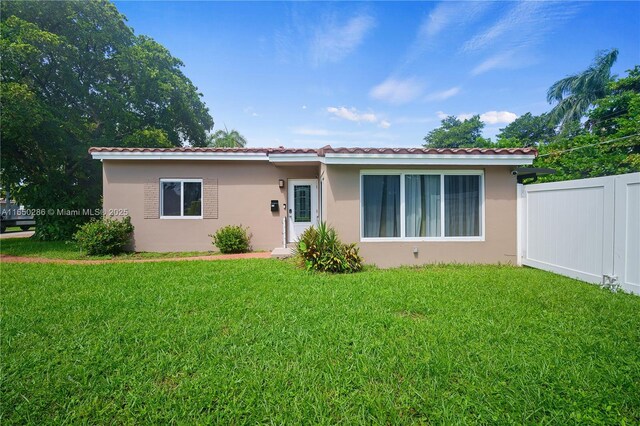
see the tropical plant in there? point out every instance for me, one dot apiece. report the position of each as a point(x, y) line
point(232, 239)
point(576, 93)
point(104, 236)
point(74, 75)
point(226, 139)
point(609, 144)
point(320, 249)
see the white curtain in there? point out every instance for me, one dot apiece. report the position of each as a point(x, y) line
point(462, 206)
point(422, 205)
point(381, 205)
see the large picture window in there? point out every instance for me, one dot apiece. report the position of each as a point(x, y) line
point(422, 205)
point(181, 198)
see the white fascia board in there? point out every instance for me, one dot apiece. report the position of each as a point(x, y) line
point(224, 156)
point(429, 159)
point(293, 158)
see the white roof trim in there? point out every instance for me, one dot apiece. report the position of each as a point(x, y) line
point(429, 159)
point(329, 158)
point(225, 156)
point(294, 158)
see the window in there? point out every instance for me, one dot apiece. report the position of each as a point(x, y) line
point(381, 206)
point(181, 198)
point(462, 206)
point(424, 205)
point(302, 201)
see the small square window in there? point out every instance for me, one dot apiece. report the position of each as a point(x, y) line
point(181, 198)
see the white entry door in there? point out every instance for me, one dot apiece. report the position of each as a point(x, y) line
point(302, 206)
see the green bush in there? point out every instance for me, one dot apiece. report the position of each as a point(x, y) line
point(232, 239)
point(320, 249)
point(104, 236)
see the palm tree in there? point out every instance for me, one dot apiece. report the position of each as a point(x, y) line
point(226, 139)
point(576, 93)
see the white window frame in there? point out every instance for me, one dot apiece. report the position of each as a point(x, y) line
point(182, 182)
point(442, 174)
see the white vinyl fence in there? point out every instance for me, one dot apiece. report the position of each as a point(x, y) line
point(587, 229)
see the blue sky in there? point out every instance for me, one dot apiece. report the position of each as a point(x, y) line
point(380, 74)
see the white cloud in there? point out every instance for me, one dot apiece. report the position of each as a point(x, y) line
point(304, 107)
point(489, 117)
point(332, 42)
point(443, 95)
point(522, 27)
point(250, 111)
point(501, 60)
point(448, 14)
point(498, 117)
point(397, 91)
point(352, 114)
point(462, 116)
point(465, 116)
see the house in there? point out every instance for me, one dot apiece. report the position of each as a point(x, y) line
point(402, 206)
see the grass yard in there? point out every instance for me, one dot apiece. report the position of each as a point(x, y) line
point(254, 341)
point(70, 251)
point(18, 229)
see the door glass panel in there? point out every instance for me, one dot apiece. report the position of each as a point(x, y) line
point(302, 203)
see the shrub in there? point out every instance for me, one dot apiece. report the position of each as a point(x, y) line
point(104, 236)
point(232, 239)
point(320, 249)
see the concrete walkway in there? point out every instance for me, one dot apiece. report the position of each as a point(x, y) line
point(24, 259)
point(16, 234)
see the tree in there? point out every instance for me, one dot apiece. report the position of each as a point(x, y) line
point(575, 94)
point(527, 130)
point(74, 75)
point(608, 144)
point(226, 139)
point(454, 133)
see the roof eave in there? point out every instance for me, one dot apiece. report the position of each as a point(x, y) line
point(429, 159)
point(170, 156)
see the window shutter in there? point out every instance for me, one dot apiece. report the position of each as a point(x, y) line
point(210, 198)
point(152, 199)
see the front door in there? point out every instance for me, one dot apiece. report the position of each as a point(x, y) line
point(302, 206)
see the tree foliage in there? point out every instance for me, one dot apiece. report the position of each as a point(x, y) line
point(226, 139)
point(575, 94)
point(608, 143)
point(456, 133)
point(74, 75)
point(527, 130)
point(593, 131)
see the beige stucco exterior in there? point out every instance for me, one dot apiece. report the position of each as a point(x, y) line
point(244, 192)
point(342, 185)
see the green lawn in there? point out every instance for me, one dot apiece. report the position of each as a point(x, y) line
point(257, 341)
point(69, 250)
point(18, 229)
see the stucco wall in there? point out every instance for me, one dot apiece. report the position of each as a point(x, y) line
point(245, 190)
point(342, 189)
